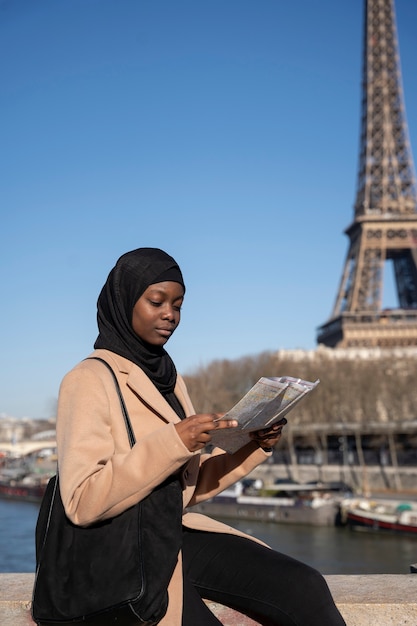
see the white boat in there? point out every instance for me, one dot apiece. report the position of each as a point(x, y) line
point(314, 504)
point(395, 516)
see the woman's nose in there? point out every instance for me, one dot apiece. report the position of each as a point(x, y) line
point(168, 313)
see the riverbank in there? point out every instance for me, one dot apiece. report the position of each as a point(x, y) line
point(364, 480)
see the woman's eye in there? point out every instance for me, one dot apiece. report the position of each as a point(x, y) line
point(154, 303)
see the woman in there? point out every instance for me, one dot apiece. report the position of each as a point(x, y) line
point(101, 476)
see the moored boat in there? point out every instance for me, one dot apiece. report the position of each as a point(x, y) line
point(381, 515)
point(22, 491)
point(291, 503)
point(26, 478)
point(29, 489)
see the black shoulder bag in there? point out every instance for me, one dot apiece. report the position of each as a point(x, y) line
point(114, 572)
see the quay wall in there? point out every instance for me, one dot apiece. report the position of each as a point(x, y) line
point(382, 599)
point(362, 479)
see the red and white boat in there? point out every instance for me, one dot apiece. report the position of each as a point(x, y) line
point(28, 489)
point(380, 515)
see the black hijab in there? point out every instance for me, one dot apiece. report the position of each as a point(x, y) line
point(127, 281)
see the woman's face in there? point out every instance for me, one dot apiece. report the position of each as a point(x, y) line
point(157, 313)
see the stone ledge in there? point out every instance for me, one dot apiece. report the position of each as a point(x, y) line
point(382, 599)
point(376, 599)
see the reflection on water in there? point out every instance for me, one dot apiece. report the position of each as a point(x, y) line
point(337, 550)
point(17, 536)
point(330, 550)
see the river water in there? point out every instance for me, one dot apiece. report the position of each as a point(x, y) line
point(330, 550)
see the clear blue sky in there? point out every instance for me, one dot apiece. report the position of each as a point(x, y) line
point(223, 131)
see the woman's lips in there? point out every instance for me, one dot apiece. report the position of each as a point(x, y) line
point(165, 332)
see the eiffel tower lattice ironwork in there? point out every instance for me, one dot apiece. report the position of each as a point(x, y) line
point(384, 229)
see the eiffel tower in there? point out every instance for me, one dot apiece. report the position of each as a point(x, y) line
point(384, 228)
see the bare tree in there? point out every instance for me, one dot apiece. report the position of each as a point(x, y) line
point(350, 390)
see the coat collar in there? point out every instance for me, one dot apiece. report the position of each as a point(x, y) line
point(139, 382)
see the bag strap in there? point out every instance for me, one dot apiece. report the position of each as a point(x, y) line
point(130, 433)
point(132, 441)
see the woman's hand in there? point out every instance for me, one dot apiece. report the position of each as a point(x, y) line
point(268, 437)
point(194, 431)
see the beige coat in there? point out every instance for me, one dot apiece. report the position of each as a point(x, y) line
point(101, 476)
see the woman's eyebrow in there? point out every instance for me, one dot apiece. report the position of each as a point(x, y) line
point(163, 292)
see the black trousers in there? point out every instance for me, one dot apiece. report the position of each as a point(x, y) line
point(268, 586)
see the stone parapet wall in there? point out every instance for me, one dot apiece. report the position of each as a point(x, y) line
point(363, 600)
